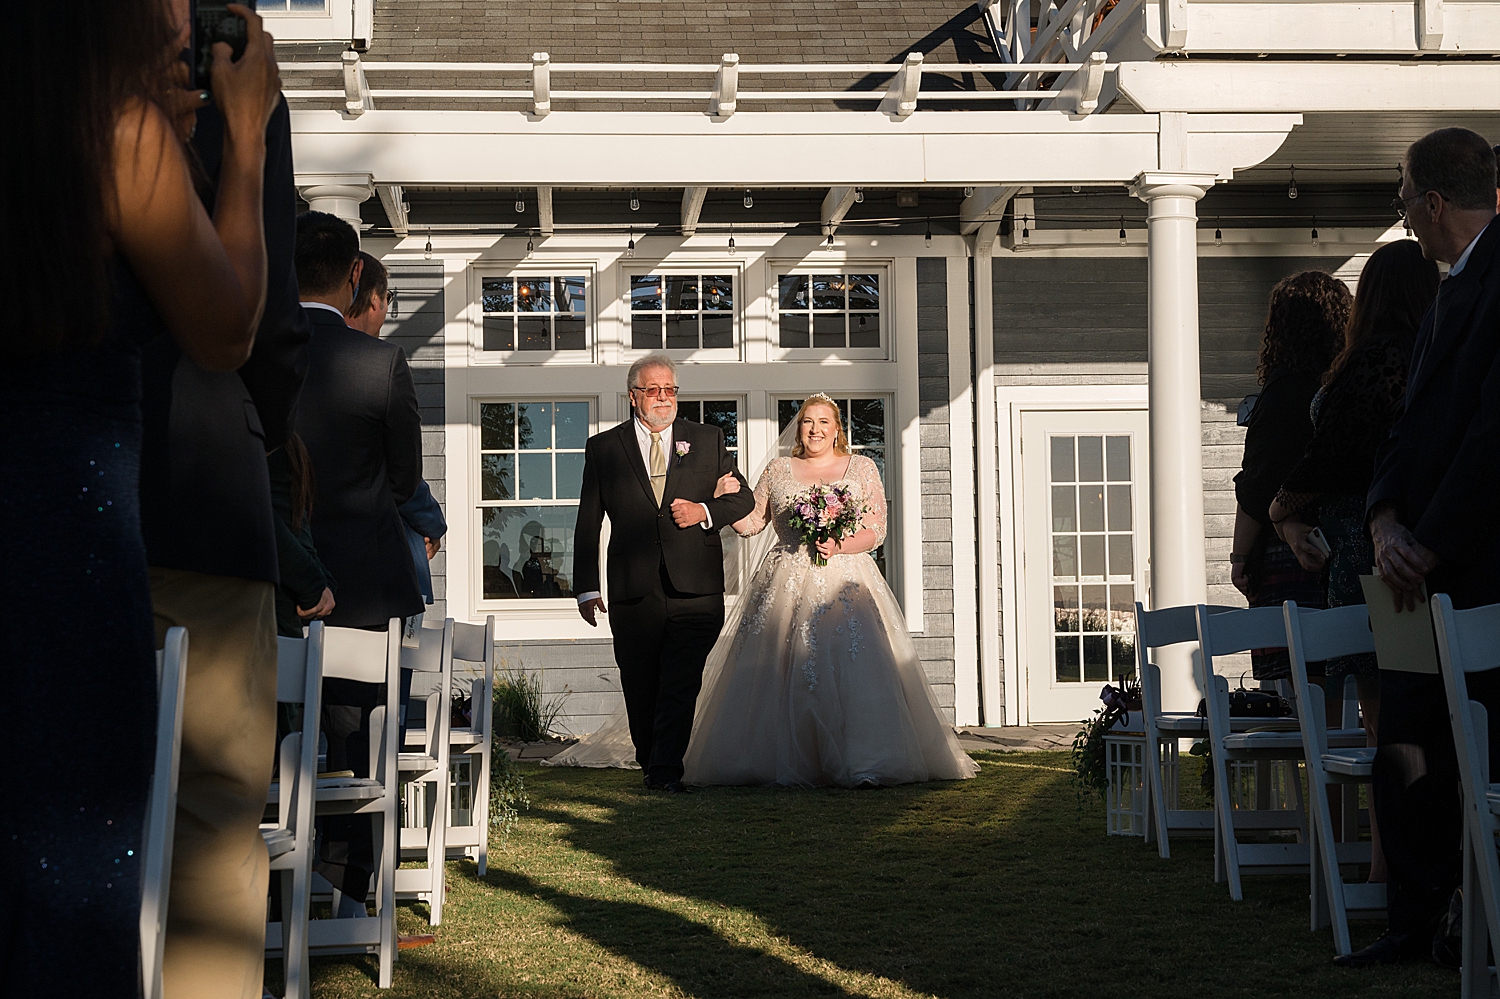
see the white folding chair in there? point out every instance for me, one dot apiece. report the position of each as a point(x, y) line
point(431, 659)
point(474, 650)
point(1317, 636)
point(161, 808)
point(369, 657)
point(289, 838)
point(1468, 641)
point(1230, 633)
point(1154, 630)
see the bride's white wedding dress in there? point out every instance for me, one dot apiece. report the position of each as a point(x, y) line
point(819, 683)
point(815, 680)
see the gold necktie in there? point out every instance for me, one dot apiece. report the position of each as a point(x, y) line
point(658, 469)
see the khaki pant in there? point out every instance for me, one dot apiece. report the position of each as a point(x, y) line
point(216, 907)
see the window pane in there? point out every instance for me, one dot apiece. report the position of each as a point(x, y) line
point(499, 332)
point(645, 293)
point(1091, 550)
point(572, 424)
point(570, 334)
point(497, 426)
point(718, 331)
point(528, 552)
point(535, 332)
point(828, 291)
point(1117, 458)
point(794, 328)
point(1062, 459)
point(1064, 516)
point(535, 476)
point(535, 425)
point(570, 295)
point(718, 293)
point(534, 294)
point(682, 332)
point(689, 410)
point(793, 291)
point(1122, 601)
point(1122, 650)
point(866, 422)
point(1119, 508)
point(308, 6)
point(877, 455)
point(1121, 562)
point(1065, 608)
point(1095, 657)
point(499, 295)
point(1095, 608)
point(828, 329)
point(786, 412)
point(569, 475)
point(1067, 658)
point(1091, 459)
point(725, 416)
point(864, 329)
point(864, 291)
point(1065, 557)
point(645, 331)
point(498, 472)
point(682, 292)
point(1091, 508)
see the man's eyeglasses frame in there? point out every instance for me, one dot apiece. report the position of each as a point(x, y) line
point(655, 391)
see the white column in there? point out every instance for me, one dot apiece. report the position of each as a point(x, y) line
point(1178, 572)
point(338, 194)
point(997, 698)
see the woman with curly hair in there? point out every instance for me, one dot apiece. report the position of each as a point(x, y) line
point(1304, 331)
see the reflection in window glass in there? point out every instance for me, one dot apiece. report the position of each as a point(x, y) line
point(830, 311)
point(681, 311)
point(531, 475)
point(724, 414)
point(1093, 556)
point(864, 423)
point(534, 313)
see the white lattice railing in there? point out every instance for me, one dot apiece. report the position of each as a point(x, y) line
point(1070, 36)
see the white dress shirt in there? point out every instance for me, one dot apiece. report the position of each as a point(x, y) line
point(643, 440)
point(1463, 259)
point(323, 305)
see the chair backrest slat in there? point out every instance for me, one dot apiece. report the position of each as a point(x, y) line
point(291, 666)
point(1242, 630)
point(1337, 631)
point(427, 657)
point(1478, 638)
point(468, 642)
point(354, 654)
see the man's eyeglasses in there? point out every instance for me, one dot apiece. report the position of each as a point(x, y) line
point(654, 392)
point(1399, 203)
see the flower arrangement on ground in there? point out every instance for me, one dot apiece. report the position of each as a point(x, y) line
point(825, 513)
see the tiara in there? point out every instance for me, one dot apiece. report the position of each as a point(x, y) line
point(820, 397)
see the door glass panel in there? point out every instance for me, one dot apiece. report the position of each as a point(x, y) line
point(1062, 460)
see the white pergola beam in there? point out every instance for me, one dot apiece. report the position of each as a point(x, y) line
point(393, 200)
point(986, 204)
point(544, 210)
point(692, 207)
point(836, 204)
point(1262, 87)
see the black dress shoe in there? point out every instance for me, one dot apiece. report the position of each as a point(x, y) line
point(670, 786)
point(1390, 948)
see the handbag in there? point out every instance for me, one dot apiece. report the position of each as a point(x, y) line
point(1245, 703)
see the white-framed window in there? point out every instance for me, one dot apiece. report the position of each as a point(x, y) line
point(530, 477)
point(264, 7)
point(319, 20)
point(867, 425)
point(534, 316)
point(684, 313)
point(826, 312)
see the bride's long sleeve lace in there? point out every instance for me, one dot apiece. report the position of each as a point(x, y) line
point(756, 520)
point(867, 474)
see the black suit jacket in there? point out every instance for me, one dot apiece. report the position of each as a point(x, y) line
point(358, 417)
point(1440, 468)
point(643, 536)
point(205, 495)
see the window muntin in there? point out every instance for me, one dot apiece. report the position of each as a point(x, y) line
point(681, 311)
point(864, 425)
point(530, 479)
point(528, 312)
point(1093, 556)
point(828, 311)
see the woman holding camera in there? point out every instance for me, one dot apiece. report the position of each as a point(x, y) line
point(108, 246)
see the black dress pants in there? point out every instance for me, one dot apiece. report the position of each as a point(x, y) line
point(1417, 794)
point(661, 643)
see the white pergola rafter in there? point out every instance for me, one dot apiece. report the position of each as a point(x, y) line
point(544, 210)
point(836, 204)
point(692, 207)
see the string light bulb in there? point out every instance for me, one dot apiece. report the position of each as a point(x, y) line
point(520, 203)
point(1122, 230)
point(635, 201)
point(732, 250)
point(630, 246)
point(427, 252)
point(968, 192)
point(1218, 236)
point(1025, 230)
point(859, 195)
point(1077, 189)
point(829, 241)
point(927, 239)
point(530, 246)
point(749, 201)
point(1315, 231)
point(1291, 187)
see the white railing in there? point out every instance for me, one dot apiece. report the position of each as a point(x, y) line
point(901, 96)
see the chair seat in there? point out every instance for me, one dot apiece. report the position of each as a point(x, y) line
point(1264, 742)
point(1493, 797)
point(279, 842)
point(419, 763)
point(1182, 723)
point(1358, 762)
point(464, 737)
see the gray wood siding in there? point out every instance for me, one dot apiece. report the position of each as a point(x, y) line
point(418, 327)
point(935, 643)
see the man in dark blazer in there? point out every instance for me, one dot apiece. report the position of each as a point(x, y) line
point(358, 417)
point(211, 546)
point(1432, 518)
point(655, 477)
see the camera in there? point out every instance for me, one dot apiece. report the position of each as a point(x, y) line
point(214, 22)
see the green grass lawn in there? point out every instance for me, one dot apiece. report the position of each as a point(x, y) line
point(999, 886)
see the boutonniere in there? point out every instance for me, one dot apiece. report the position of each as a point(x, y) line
point(682, 448)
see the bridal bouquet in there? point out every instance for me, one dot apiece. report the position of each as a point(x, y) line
point(823, 513)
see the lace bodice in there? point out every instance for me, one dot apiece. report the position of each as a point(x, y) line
point(777, 486)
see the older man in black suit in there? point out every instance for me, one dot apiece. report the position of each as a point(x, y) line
point(655, 477)
point(1432, 518)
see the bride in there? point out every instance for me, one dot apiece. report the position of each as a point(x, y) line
point(814, 680)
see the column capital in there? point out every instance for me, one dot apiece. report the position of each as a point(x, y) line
point(1152, 184)
point(338, 194)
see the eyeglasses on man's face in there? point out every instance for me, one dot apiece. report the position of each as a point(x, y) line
point(1399, 203)
point(657, 391)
